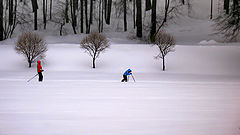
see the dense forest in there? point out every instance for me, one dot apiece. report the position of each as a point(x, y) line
point(82, 16)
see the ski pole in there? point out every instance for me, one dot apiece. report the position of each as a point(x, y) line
point(32, 78)
point(133, 78)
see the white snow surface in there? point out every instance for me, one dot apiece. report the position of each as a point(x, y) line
point(198, 94)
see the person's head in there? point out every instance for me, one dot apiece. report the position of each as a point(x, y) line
point(39, 62)
point(129, 70)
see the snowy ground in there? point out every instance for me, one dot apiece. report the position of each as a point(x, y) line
point(199, 94)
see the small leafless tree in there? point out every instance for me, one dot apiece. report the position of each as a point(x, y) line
point(94, 44)
point(32, 46)
point(166, 44)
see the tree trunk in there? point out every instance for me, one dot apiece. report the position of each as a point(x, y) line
point(44, 14)
point(35, 20)
point(166, 9)
point(61, 27)
point(153, 20)
point(35, 8)
point(139, 18)
point(50, 10)
point(86, 17)
point(14, 19)
point(94, 62)
point(81, 3)
point(10, 12)
point(75, 7)
point(1, 20)
point(109, 11)
point(102, 18)
point(105, 9)
point(99, 16)
point(189, 5)
point(91, 12)
point(211, 14)
point(226, 6)
point(125, 15)
point(73, 16)
point(134, 14)
point(165, 18)
point(148, 5)
point(163, 63)
point(29, 63)
point(235, 7)
point(66, 12)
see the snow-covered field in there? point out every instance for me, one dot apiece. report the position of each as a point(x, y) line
point(198, 94)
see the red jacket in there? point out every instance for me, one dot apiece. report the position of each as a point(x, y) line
point(39, 67)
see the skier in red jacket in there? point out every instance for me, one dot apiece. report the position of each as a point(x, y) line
point(39, 70)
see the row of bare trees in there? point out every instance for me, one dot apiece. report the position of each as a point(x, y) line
point(33, 47)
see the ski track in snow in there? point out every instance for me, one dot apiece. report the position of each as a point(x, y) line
point(98, 107)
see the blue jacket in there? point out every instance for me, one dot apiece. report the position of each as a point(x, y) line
point(127, 72)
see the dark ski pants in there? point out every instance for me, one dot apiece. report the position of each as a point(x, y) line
point(40, 79)
point(124, 78)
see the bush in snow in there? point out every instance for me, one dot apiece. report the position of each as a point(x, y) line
point(165, 43)
point(94, 44)
point(32, 46)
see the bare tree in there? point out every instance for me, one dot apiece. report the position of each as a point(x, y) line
point(166, 44)
point(32, 46)
point(94, 44)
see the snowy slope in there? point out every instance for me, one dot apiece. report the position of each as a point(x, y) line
point(197, 95)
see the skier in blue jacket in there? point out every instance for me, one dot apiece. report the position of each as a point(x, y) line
point(126, 73)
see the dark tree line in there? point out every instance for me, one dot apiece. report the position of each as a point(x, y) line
point(83, 14)
point(82, 11)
